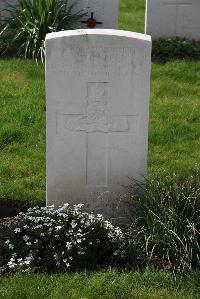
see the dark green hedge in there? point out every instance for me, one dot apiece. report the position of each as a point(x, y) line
point(175, 48)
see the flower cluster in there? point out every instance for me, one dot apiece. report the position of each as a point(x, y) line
point(56, 239)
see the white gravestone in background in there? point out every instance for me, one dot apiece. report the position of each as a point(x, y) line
point(105, 12)
point(173, 18)
point(4, 5)
point(97, 89)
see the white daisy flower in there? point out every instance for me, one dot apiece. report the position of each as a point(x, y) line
point(58, 227)
point(25, 238)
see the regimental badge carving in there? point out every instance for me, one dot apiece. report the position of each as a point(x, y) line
point(98, 117)
point(97, 90)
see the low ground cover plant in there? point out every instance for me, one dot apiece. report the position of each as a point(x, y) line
point(25, 28)
point(165, 233)
point(60, 239)
point(175, 48)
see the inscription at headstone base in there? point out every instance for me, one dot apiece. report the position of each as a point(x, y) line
point(97, 88)
point(173, 18)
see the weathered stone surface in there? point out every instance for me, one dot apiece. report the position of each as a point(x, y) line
point(4, 4)
point(97, 89)
point(173, 18)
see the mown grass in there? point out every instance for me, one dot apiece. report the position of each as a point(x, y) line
point(174, 134)
point(102, 284)
point(132, 15)
point(22, 131)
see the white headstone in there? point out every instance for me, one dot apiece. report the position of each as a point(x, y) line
point(105, 12)
point(97, 89)
point(173, 18)
point(4, 4)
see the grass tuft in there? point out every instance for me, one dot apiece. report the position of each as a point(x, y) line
point(165, 233)
point(108, 284)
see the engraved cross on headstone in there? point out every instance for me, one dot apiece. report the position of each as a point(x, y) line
point(177, 5)
point(98, 123)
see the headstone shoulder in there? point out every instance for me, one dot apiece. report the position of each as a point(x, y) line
point(102, 32)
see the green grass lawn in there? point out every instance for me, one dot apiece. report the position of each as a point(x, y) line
point(174, 135)
point(22, 131)
point(22, 119)
point(102, 284)
point(131, 15)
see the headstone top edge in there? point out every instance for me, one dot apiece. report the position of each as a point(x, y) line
point(102, 32)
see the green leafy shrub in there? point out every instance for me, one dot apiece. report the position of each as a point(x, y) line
point(166, 230)
point(58, 239)
point(175, 48)
point(27, 25)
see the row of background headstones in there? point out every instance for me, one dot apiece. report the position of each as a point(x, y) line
point(105, 11)
point(173, 18)
point(164, 18)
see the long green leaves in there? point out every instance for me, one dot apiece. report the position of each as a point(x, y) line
point(27, 25)
point(166, 227)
